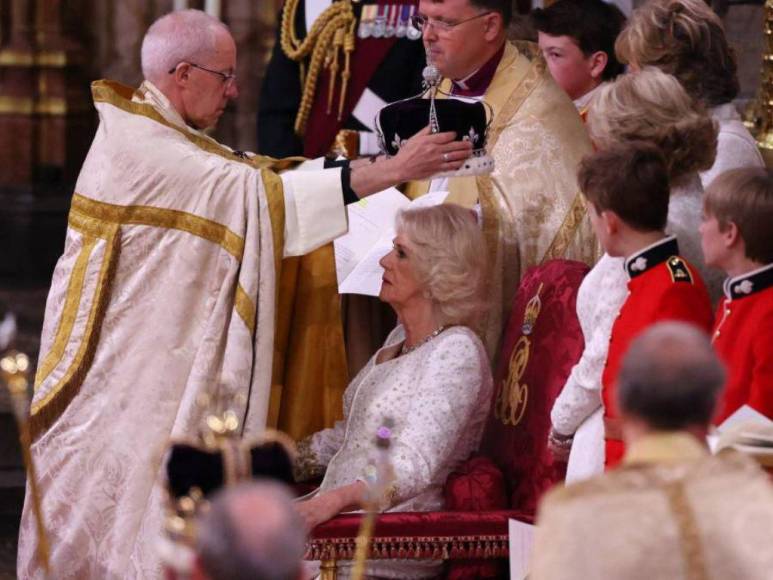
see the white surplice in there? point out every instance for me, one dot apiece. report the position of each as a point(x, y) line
point(438, 397)
point(165, 291)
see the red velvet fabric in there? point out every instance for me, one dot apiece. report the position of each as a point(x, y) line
point(477, 485)
point(423, 524)
point(527, 384)
point(476, 569)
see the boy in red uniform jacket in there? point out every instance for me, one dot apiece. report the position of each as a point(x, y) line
point(737, 238)
point(628, 192)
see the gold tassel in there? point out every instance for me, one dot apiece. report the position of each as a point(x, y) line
point(347, 73)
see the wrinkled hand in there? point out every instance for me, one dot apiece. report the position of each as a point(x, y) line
point(319, 509)
point(425, 155)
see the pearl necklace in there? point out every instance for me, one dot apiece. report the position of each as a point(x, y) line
point(406, 349)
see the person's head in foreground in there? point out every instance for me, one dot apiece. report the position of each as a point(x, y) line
point(251, 532)
point(460, 36)
point(670, 380)
point(190, 56)
point(436, 270)
point(737, 218)
point(628, 191)
point(652, 106)
point(577, 39)
point(684, 38)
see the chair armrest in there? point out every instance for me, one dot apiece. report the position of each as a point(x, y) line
point(411, 535)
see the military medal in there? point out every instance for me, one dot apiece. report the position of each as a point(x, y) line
point(391, 23)
point(403, 21)
point(379, 26)
point(366, 20)
point(411, 32)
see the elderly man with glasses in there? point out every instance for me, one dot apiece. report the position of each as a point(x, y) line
point(531, 201)
point(166, 292)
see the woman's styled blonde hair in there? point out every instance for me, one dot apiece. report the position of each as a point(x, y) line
point(684, 38)
point(652, 106)
point(449, 259)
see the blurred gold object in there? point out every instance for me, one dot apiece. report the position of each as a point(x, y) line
point(14, 370)
point(380, 479)
point(759, 115)
point(347, 143)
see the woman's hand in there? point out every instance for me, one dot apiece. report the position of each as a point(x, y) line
point(329, 504)
point(319, 509)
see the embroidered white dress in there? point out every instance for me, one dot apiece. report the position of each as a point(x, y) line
point(438, 397)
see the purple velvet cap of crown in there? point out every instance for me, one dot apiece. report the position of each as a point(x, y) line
point(398, 122)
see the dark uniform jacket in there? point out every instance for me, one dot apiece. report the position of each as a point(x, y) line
point(390, 67)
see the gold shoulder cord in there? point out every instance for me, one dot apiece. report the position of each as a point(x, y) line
point(332, 32)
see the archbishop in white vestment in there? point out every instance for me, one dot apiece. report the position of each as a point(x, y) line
point(165, 291)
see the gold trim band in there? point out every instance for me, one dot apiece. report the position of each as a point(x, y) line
point(69, 312)
point(163, 218)
point(567, 231)
point(45, 412)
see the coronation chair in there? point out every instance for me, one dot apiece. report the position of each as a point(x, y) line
point(542, 342)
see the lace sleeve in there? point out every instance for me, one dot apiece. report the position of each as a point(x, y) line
point(581, 394)
point(316, 451)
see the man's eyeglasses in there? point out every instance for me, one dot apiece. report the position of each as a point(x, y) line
point(420, 22)
point(226, 77)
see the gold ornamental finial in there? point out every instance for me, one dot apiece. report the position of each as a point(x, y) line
point(14, 371)
point(379, 476)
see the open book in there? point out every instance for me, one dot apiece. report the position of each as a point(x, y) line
point(371, 231)
point(747, 431)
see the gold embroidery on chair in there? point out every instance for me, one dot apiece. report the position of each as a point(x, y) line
point(513, 395)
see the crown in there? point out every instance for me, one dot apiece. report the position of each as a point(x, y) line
point(218, 457)
point(531, 313)
point(469, 119)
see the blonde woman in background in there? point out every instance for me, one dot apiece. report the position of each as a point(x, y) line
point(653, 107)
point(685, 38)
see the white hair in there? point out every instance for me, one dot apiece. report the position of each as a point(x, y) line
point(179, 36)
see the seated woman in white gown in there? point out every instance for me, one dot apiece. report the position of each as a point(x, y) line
point(431, 379)
point(650, 106)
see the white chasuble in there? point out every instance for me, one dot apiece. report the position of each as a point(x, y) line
point(165, 291)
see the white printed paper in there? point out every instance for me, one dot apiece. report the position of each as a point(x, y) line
point(521, 545)
point(370, 235)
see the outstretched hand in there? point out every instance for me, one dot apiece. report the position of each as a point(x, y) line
point(426, 154)
point(421, 157)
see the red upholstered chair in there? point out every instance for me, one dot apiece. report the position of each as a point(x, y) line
point(541, 343)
